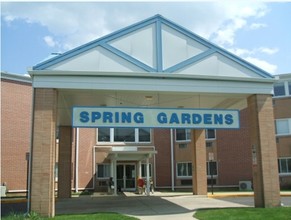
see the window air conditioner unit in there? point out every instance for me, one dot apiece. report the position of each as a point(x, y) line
point(245, 185)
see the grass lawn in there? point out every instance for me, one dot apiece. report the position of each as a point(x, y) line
point(281, 213)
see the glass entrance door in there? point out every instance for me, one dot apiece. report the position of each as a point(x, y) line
point(125, 174)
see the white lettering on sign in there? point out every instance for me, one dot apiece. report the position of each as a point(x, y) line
point(154, 117)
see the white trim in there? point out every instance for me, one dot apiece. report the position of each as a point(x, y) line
point(168, 82)
point(172, 161)
point(77, 161)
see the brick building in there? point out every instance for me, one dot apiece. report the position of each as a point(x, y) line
point(174, 70)
point(232, 151)
point(16, 106)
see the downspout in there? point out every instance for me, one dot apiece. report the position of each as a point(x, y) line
point(30, 153)
point(172, 162)
point(77, 161)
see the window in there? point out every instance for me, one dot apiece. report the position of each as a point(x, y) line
point(211, 166)
point(183, 135)
point(279, 89)
point(284, 165)
point(103, 170)
point(127, 135)
point(210, 134)
point(289, 87)
point(144, 170)
point(104, 134)
point(283, 126)
point(124, 135)
point(184, 169)
point(144, 135)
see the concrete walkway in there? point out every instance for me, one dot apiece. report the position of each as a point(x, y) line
point(160, 205)
point(157, 206)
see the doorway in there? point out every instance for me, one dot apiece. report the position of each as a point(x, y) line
point(126, 177)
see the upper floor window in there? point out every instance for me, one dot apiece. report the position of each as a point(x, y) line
point(284, 165)
point(282, 88)
point(283, 126)
point(279, 89)
point(210, 134)
point(183, 135)
point(127, 135)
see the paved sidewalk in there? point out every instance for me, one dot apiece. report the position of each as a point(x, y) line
point(157, 206)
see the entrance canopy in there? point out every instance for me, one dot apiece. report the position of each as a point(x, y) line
point(153, 63)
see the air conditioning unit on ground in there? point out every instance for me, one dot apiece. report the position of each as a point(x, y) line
point(245, 185)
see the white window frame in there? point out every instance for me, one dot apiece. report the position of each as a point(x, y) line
point(206, 136)
point(288, 120)
point(136, 138)
point(279, 166)
point(97, 170)
point(187, 171)
point(188, 139)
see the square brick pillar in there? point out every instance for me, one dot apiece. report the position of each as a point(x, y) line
point(65, 162)
point(199, 177)
point(42, 197)
point(264, 151)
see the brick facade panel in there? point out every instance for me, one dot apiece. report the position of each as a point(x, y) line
point(15, 140)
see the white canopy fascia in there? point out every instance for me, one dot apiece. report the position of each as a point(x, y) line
point(162, 82)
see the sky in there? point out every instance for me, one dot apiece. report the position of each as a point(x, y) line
point(257, 31)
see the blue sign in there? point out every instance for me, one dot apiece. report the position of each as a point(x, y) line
point(154, 117)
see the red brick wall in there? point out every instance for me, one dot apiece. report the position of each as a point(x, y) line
point(162, 143)
point(234, 153)
point(16, 106)
point(87, 139)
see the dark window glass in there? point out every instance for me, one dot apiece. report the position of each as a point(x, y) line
point(283, 165)
point(182, 134)
point(184, 169)
point(289, 165)
point(124, 134)
point(210, 134)
point(211, 167)
point(144, 170)
point(279, 89)
point(103, 134)
point(103, 170)
point(144, 134)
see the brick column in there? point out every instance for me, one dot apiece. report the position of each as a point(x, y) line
point(65, 162)
point(43, 152)
point(265, 166)
point(199, 177)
